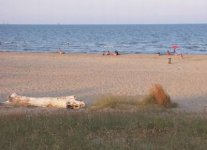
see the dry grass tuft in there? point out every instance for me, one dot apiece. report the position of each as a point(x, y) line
point(158, 96)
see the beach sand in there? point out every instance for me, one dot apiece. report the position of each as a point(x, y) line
point(89, 76)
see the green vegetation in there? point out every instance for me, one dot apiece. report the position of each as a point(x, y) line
point(126, 103)
point(117, 102)
point(142, 128)
point(111, 123)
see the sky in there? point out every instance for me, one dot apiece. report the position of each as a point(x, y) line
point(103, 11)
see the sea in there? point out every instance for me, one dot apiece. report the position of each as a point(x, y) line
point(127, 39)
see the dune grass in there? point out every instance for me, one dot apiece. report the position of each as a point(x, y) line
point(112, 122)
point(116, 102)
point(157, 96)
point(114, 130)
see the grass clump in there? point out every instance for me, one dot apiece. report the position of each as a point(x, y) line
point(157, 95)
point(116, 102)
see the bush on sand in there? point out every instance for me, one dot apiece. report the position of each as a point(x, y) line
point(157, 95)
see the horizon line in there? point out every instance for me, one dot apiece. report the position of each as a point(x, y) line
point(103, 24)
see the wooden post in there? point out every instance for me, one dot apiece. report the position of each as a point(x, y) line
point(169, 60)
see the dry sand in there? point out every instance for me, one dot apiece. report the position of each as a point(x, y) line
point(89, 76)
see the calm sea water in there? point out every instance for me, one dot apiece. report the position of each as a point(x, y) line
point(98, 38)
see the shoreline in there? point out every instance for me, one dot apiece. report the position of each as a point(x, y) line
point(89, 76)
point(91, 53)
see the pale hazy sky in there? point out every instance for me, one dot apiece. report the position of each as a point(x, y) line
point(103, 11)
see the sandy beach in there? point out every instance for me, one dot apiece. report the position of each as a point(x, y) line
point(89, 76)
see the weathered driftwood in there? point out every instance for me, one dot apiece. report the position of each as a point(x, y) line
point(57, 102)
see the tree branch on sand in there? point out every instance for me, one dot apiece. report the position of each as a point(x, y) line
point(56, 102)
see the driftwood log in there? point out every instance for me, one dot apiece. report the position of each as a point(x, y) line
point(56, 102)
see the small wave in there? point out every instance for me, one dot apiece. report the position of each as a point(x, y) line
point(100, 44)
point(137, 52)
point(192, 47)
point(75, 46)
point(203, 50)
point(27, 49)
point(133, 43)
point(154, 41)
point(108, 46)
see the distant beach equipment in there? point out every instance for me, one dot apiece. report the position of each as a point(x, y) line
point(174, 50)
point(175, 47)
point(115, 53)
point(169, 60)
point(61, 51)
